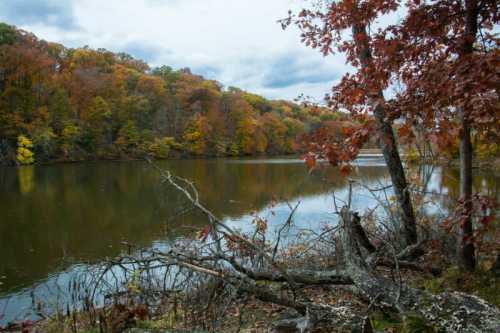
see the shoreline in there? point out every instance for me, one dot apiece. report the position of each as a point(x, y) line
point(368, 153)
point(482, 164)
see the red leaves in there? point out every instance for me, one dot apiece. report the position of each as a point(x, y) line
point(310, 160)
point(438, 75)
point(345, 170)
point(429, 55)
point(404, 131)
point(482, 209)
point(347, 131)
point(339, 142)
point(202, 235)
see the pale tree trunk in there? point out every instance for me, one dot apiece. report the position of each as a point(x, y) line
point(466, 247)
point(387, 142)
point(446, 312)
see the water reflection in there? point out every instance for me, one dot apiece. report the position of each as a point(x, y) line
point(26, 176)
point(53, 217)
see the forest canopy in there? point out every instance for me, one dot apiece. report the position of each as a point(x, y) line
point(65, 104)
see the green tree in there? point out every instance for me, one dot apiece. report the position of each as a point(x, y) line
point(97, 117)
point(59, 109)
point(45, 143)
point(7, 34)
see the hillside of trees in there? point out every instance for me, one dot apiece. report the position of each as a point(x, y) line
point(63, 104)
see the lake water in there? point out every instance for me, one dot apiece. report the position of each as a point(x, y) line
point(56, 219)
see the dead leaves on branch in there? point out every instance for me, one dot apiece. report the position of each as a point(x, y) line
point(337, 143)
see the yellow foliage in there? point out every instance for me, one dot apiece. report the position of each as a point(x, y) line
point(192, 136)
point(196, 134)
point(23, 141)
point(486, 150)
point(245, 134)
point(151, 84)
point(160, 148)
point(411, 155)
point(24, 155)
point(70, 131)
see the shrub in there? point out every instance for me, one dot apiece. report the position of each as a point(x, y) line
point(24, 154)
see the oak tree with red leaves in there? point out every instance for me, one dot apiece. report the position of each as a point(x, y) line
point(326, 26)
point(444, 55)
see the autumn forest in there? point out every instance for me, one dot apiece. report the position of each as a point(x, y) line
point(79, 104)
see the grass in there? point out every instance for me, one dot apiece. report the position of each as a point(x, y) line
point(481, 283)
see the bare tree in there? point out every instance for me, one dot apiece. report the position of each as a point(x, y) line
point(228, 255)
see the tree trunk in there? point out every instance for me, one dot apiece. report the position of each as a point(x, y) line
point(466, 250)
point(447, 311)
point(466, 247)
point(393, 160)
point(387, 144)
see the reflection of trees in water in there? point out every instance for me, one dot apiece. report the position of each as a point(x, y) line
point(26, 179)
point(484, 182)
point(84, 211)
point(234, 189)
point(443, 190)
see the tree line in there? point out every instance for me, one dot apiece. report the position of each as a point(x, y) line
point(64, 104)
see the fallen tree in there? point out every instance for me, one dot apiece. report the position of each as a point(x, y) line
point(242, 262)
point(339, 279)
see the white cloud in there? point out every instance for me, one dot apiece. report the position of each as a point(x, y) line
point(237, 42)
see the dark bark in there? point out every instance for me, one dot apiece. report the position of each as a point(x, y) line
point(388, 144)
point(466, 247)
point(495, 269)
point(362, 236)
point(389, 148)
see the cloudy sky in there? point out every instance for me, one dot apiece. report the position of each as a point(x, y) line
point(237, 42)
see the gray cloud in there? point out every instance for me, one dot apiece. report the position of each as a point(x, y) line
point(144, 51)
point(238, 43)
point(292, 69)
point(48, 12)
point(207, 71)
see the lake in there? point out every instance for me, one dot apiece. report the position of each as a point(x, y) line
point(56, 219)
